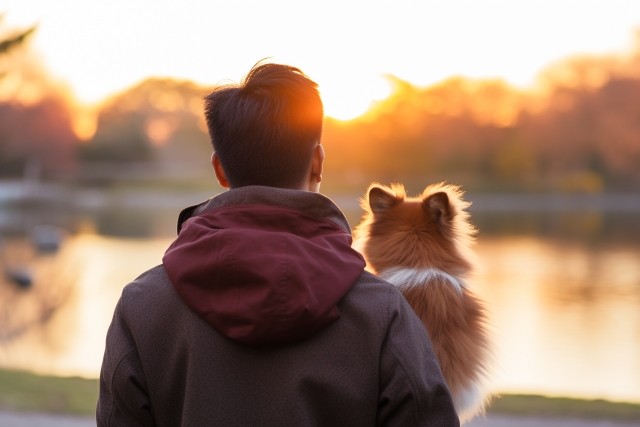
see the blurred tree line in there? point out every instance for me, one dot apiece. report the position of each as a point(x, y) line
point(156, 128)
point(578, 130)
point(35, 118)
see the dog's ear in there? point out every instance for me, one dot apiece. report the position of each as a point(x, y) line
point(438, 205)
point(380, 198)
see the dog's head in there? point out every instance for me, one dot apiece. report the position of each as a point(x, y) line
point(428, 231)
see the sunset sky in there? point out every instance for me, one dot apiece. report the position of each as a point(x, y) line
point(101, 47)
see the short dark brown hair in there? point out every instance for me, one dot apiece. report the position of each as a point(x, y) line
point(264, 130)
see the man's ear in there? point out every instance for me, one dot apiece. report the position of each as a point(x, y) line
point(438, 205)
point(217, 168)
point(317, 162)
point(380, 198)
point(314, 175)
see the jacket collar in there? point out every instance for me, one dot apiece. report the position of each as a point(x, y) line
point(312, 203)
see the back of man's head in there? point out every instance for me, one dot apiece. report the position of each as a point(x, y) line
point(264, 130)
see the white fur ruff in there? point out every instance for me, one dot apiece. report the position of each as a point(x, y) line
point(404, 278)
point(469, 402)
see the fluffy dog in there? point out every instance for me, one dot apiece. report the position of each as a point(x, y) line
point(422, 245)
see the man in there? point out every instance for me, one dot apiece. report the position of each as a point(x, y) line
point(261, 314)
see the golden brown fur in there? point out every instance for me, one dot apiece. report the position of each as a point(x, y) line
point(423, 246)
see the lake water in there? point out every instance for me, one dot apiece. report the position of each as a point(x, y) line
point(562, 287)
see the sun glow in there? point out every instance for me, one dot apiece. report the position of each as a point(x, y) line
point(422, 42)
point(346, 99)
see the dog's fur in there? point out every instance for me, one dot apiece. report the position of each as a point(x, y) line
point(422, 245)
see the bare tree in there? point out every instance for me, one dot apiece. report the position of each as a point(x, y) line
point(18, 38)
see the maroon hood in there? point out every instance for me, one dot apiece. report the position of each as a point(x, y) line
point(264, 273)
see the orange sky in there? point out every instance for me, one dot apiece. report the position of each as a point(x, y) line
point(101, 47)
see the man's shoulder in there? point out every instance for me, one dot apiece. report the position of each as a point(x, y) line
point(370, 285)
point(372, 295)
point(150, 293)
point(151, 300)
point(154, 285)
point(155, 279)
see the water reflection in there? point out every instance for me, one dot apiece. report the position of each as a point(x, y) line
point(33, 287)
point(567, 317)
point(59, 325)
point(565, 303)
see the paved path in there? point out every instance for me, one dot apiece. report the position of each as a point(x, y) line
point(15, 419)
point(509, 421)
point(12, 419)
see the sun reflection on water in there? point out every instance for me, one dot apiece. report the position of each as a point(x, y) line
point(566, 317)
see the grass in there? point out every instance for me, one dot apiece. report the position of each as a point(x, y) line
point(563, 407)
point(23, 391)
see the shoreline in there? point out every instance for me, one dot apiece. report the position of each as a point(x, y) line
point(15, 194)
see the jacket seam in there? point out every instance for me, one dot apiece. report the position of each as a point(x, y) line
point(388, 346)
point(113, 374)
point(387, 320)
point(135, 348)
point(413, 388)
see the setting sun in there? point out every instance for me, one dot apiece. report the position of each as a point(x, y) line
point(346, 100)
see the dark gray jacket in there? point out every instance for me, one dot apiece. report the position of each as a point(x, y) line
point(166, 365)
